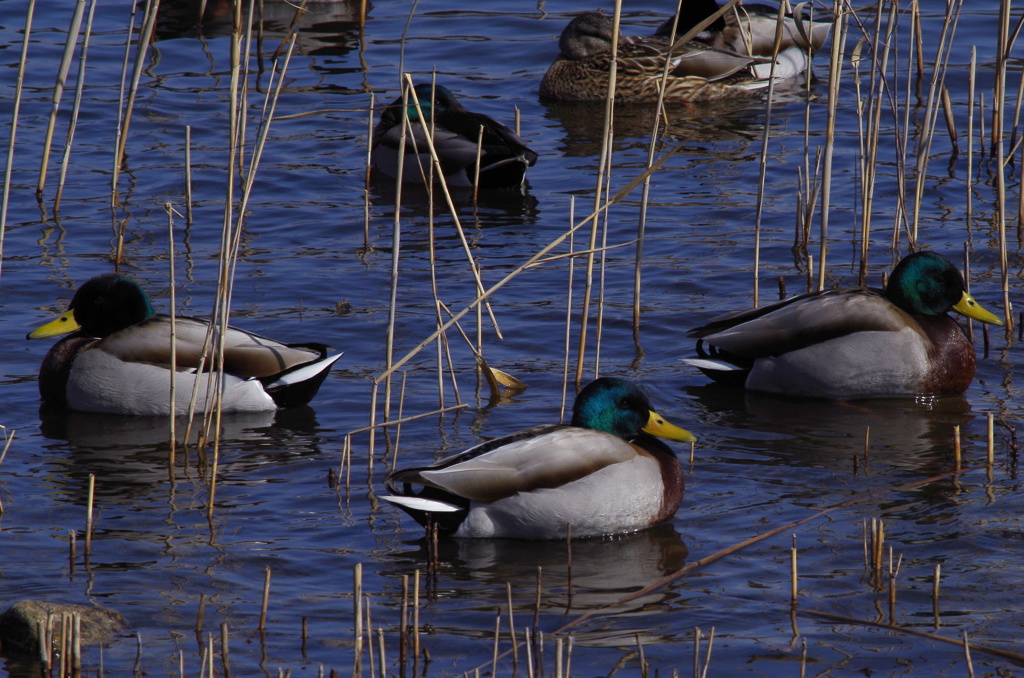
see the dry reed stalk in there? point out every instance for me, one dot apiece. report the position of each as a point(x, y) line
point(199, 614)
point(994, 651)
point(357, 615)
point(368, 173)
point(369, 639)
point(651, 148)
point(792, 575)
point(436, 166)
point(432, 249)
point(512, 625)
point(148, 23)
point(224, 651)
point(75, 108)
point(188, 176)
point(568, 311)
point(947, 112)
point(497, 638)
point(479, 154)
point(231, 233)
point(173, 398)
point(935, 595)
point(967, 655)
point(600, 253)
point(16, 109)
point(763, 163)
point(266, 600)
point(640, 656)
point(998, 103)
point(932, 105)
point(893, 571)
point(971, 80)
point(834, 71)
point(89, 515)
point(869, 146)
point(534, 260)
point(527, 643)
point(697, 635)
point(707, 653)
point(380, 650)
point(990, 441)
point(396, 243)
point(58, 92)
point(604, 164)
point(867, 446)
point(415, 621)
point(209, 654)
point(956, 448)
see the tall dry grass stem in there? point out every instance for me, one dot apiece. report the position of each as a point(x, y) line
point(90, 497)
point(188, 175)
point(932, 105)
point(15, 112)
point(142, 47)
point(835, 64)
point(763, 163)
point(58, 92)
point(604, 165)
point(75, 108)
point(172, 420)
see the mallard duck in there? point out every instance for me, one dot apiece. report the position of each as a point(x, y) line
point(456, 133)
point(852, 343)
point(749, 29)
point(698, 72)
point(118, 359)
point(605, 473)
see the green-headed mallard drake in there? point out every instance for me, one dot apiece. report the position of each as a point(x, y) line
point(118, 359)
point(749, 29)
point(698, 72)
point(605, 473)
point(456, 132)
point(852, 343)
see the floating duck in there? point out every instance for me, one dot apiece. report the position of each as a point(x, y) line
point(749, 29)
point(456, 134)
point(119, 359)
point(852, 343)
point(606, 473)
point(697, 71)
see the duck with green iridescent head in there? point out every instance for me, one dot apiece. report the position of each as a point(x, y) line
point(605, 473)
point(457, 141)
point(118, 359)
point(850, 343)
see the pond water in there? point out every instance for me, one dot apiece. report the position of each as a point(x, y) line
point(315, 264)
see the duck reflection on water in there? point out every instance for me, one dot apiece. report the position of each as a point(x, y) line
point(129, 455)
point(575, 577)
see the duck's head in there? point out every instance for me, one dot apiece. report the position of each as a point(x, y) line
point(586, 35)
point(926, 283)
point(431, 98)
point(619, 407)
point(100, 307)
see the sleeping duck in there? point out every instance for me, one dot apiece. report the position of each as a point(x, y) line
point(697, 71)
point(750, 29)
point(456, 133)
point(118, 359)
point(606, 473)
point(852, 343)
